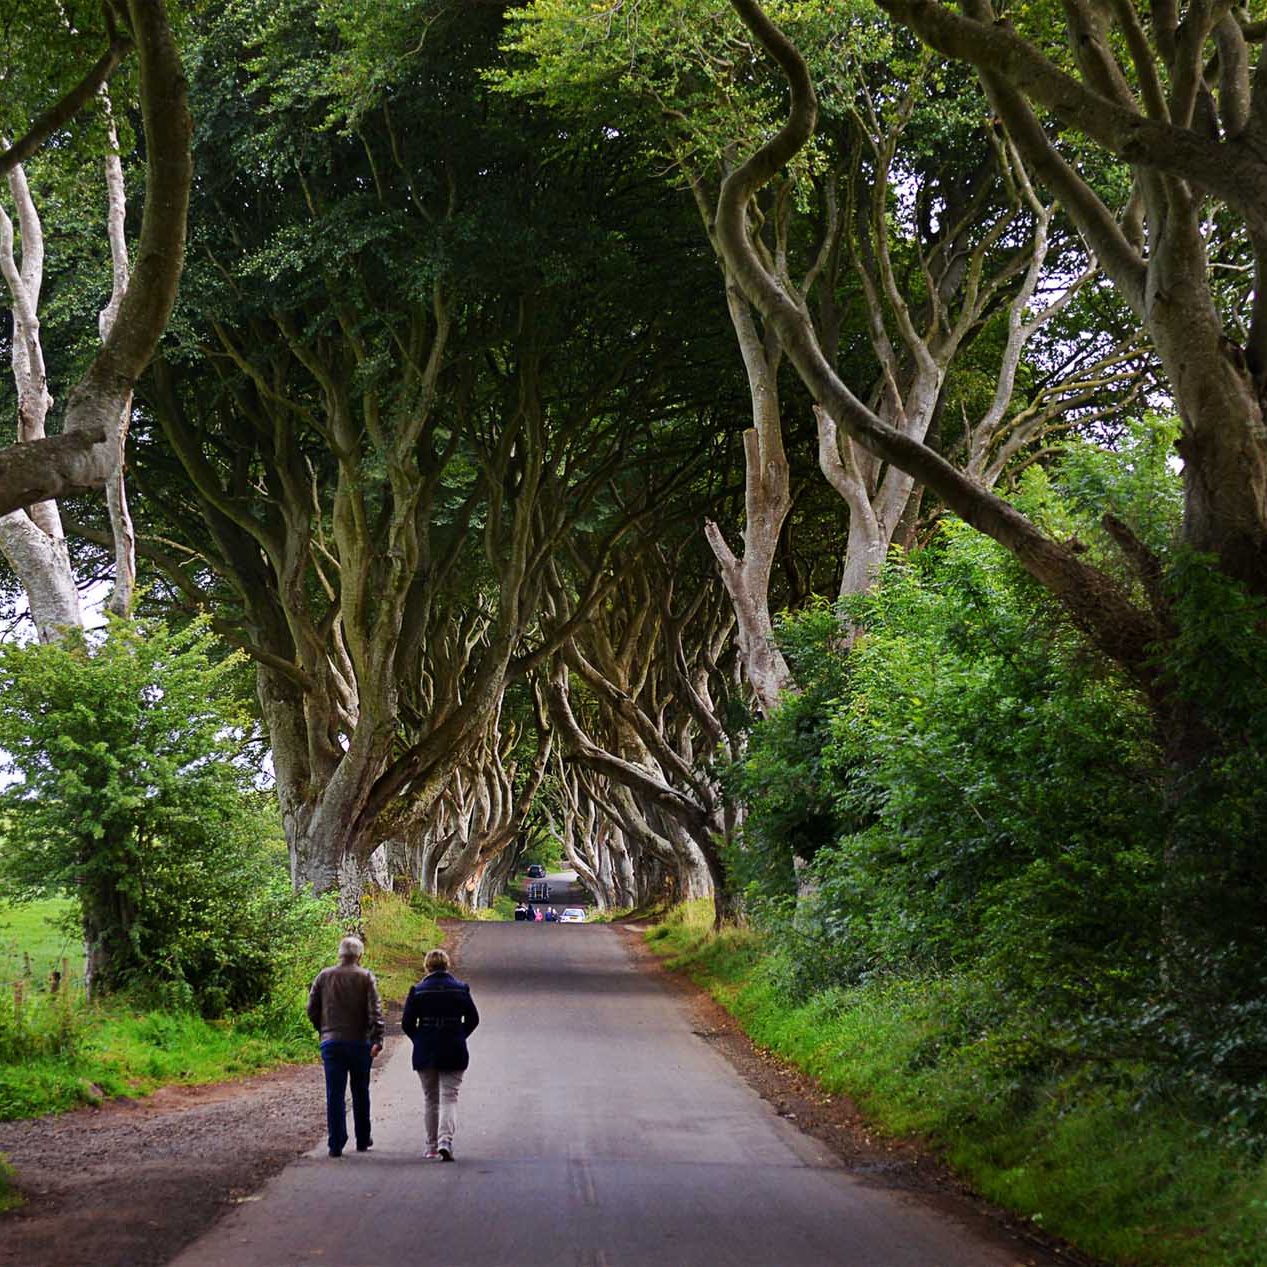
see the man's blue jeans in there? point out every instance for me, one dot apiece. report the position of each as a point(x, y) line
point(346, 1062)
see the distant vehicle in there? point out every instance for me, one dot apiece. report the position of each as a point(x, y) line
point(572, 915)
point(538, 891)
point(536, 872)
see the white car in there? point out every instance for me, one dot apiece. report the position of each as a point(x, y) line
point(572, 915)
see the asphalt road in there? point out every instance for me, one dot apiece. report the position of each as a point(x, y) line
point(595, 1130)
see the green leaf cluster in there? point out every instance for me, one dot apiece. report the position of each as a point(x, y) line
point(130, 790)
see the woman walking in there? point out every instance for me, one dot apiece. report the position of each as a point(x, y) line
point(439, 1017)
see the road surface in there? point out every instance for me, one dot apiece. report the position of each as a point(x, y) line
point(595, 1130)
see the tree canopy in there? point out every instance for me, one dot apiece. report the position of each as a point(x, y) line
point(808, 456)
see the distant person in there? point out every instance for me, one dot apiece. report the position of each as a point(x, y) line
point(439, 1017)
point(530, 912)
point(552, 916)
point(538, 915)
point(521, 912)
point(345, 1009)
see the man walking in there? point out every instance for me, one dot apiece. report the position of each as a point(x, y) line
point(345, 1009)
point(439, 1017)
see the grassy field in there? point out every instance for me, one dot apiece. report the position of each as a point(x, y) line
point(1085, 1155)
point(35, 937)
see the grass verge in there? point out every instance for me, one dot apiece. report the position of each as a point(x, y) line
point(1082, 1153)
point(59, 1052)
point(398, 933)
point(111, 1048)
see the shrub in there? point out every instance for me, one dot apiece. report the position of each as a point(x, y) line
point(134, 794)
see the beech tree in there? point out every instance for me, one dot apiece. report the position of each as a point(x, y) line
point(975, 249)
point(390, 412)
point(1120, 627)
point(1177, 99)
point(32, 539)
point(85, 454)
point(643, 696)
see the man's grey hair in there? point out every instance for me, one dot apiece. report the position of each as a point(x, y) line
point(351, 949)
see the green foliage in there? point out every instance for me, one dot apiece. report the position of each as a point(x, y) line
point(791, 798)
point(961, 776)
point(133, 796)
point(544, 848)
point(36, 1023)
point(503, 908)
point(59, 1051)
point(44, 52)
point(691, 64)
point(1067, 874)
point(398, 933)
point(121, 1050)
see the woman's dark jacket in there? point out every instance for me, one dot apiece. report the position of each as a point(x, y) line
point(439, 1017)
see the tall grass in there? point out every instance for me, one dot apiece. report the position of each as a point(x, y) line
point(59, 1051)
point(9, 1198)
point(398, 933)
point(36, 937)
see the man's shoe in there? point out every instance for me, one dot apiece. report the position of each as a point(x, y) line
point(365, 1148)
point(446, 1152)
point(336, 1152)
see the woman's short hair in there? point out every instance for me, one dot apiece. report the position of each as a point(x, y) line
point(351, 949)
point(436, 961)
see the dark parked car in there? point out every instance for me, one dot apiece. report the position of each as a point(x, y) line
point(536, 872)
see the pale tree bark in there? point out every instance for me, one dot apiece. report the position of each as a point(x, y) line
point(767, 501)
point(121, 529)
point(767, 475)
point(652, 727)
point(32, 538)
point(500, 809)
point(620, 858)
point(1190, 127)
point(988, 251)
point(584, 834)
point(1120, 628)
point(85, 454)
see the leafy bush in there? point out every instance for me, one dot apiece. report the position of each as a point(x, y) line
point(983, 771)
point(133, 795)
point(984, 795)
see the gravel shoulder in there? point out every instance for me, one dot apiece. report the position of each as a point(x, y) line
point(131, 1183)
